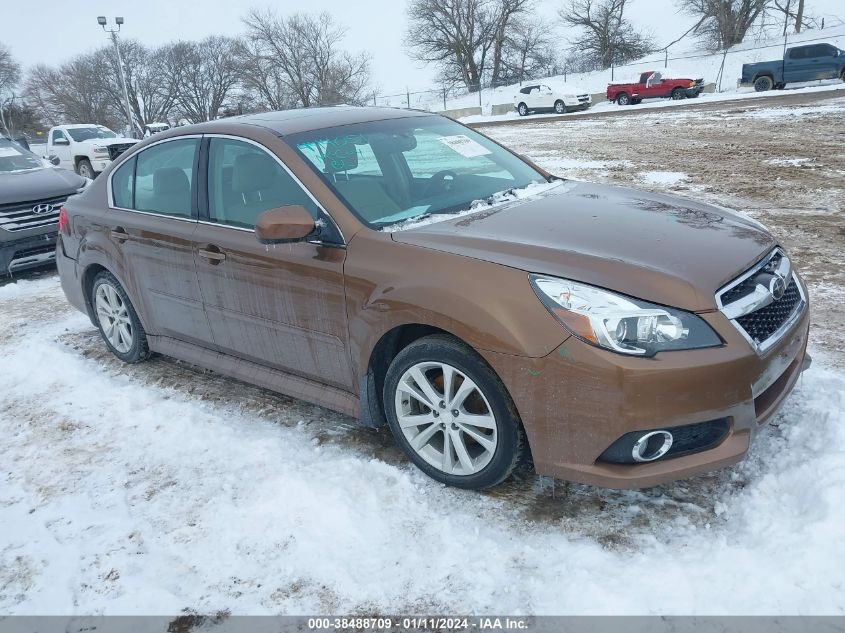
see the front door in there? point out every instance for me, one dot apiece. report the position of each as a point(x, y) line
point(62, 150)
point(152, 225)
point(283, 305)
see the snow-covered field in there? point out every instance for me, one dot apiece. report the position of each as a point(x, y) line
point(159, 488)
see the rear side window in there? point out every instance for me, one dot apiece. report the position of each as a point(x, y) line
point(164, 178)
point(798, 53)
point(123, 185)
point(244, 181)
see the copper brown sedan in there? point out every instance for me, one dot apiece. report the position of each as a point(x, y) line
point(398, 267)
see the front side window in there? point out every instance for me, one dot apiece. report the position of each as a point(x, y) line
point(427, 166)
point(57, 134)
point(244, 181)
point(123, 185)
point(164, 178)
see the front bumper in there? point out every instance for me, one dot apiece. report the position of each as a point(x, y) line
point(578, 400)
point(100, 164)
point(28, 252)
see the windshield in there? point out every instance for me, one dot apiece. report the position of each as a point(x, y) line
point(393, 170)
point(13, 157)
point(79, 134)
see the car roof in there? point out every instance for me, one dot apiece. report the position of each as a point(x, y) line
point(73, 126)
point(284, 122)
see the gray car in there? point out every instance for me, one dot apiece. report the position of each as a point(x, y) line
point(31, 194)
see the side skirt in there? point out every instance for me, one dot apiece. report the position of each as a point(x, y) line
point(255, 374)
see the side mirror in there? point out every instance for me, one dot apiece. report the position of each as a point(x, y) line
point(61, 141)
point(284, 225)
point(55, 160)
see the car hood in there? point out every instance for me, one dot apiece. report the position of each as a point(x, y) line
point(38, 184)
point(660, 248)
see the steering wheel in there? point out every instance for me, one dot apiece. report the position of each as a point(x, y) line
point(438, 183)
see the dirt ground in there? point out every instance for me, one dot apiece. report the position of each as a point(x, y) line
point(784, 166)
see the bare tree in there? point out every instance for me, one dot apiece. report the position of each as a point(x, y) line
point(152, 91)
point(10, 74)
point(71, 93)
point(297, 60)
point(207, 73)
point(724, 23)
point(792, 11)
point(530, 50)
point(606, 37)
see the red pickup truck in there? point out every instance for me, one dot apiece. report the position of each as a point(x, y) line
point(653, 85)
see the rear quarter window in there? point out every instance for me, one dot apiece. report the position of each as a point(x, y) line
point(123, 185)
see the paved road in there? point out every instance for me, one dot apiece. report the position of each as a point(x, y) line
point(777, 99)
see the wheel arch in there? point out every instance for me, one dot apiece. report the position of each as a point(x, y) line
point(86, 279)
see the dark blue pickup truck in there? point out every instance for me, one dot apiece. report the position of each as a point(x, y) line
point(802, 63)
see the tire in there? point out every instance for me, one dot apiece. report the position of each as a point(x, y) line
point(678, 94)
point(623, 99)
point(560, 107)
point(84, 169)
point(763, 84)
point(470, 464)
point(117, 320)
point(522, 109)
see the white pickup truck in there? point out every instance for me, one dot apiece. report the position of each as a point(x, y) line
point(85, 148)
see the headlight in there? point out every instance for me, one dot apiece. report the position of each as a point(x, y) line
point(619, 323)
point(692, 84)
point(99, 149)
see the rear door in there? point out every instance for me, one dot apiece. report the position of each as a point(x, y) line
point(151, 224)
point(282, 306)
point(796, 65)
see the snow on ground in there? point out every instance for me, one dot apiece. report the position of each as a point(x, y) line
point(123, 492)
point(664, 177)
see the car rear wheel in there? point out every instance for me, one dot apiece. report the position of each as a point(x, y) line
point(84, 169)
point(522, 109)
point(762, 84)
point(623, 99)
point(560, 107)
point(117, 320)
point(678, 94)
point(452, 415)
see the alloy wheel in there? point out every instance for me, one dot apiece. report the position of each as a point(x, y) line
point(113, 315)
point(446, 418)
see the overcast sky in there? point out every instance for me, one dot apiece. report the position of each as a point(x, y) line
point(51, 31)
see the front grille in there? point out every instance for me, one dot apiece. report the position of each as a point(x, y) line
point(583, 97)
point(763, 323)
point(118, 149)
point(750, 304)
point(19, 216)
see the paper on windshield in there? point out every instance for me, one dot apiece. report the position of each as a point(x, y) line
point(6, 152)
point(464, 145)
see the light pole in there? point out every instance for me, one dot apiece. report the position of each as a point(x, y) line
point(101, 20)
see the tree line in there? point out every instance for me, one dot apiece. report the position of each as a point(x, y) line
point(279, 62)
point(298, 60)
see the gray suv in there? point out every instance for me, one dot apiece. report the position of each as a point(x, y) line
point(31, 194)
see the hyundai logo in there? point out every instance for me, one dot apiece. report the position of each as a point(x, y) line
point(777, 287)
point(41, 209)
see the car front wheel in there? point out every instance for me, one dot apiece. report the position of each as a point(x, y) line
point(678, 94)
point(522, 109)
point(560, 107)
point(117, 320)
point(452, 415)
point(84, 169)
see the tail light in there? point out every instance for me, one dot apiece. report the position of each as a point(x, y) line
point(64, 225)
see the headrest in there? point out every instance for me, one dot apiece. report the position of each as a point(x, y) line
point(170, 180)
point(340, 157)
point(252, 172)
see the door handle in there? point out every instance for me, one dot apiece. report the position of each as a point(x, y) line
point(213, 256)
point(119, 235)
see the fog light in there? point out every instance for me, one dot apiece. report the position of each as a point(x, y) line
point(652, 446)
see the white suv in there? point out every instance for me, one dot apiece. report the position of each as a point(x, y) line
point(85, 148)
point(541, 98)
